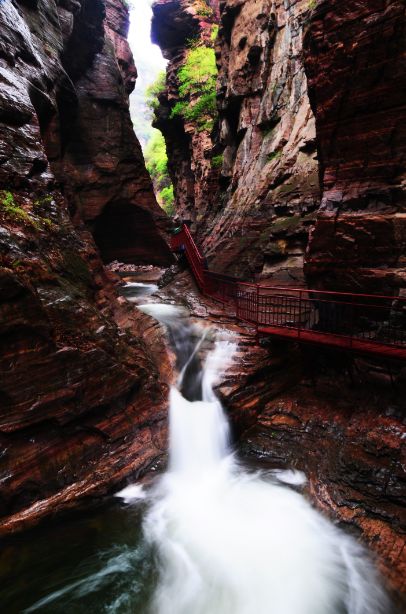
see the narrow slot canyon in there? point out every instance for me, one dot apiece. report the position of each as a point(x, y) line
point(202, 306)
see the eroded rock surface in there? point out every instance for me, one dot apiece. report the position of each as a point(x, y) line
point(323, 414)
point(267, 134)
point(250, 187)
point(82, 402)
point(177, 27)
point(354, 58)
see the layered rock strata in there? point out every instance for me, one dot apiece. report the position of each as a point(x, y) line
point(177, 27)
point(267, 133)
point(350, 443)
point(339, 421)
point(103, 167)
point(81, 399)
point(256, 219)
point(354, 54)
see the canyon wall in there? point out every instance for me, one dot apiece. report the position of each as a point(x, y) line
point(354, 54)
point(308, 140)
point(309, 146)
point(267, 133)
point(347, 434)
point(82, 403)
point(262, 150)
point(178, 27)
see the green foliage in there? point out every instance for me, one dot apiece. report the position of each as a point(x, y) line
point(42, 203)
point(47, 223)
point(156, 158)
point(203, 9)
point(197, 83)
point(12, 210)
point(199, 72)
point(153, 91)
point(166, 199)
point(217, 161)
point(214, 32)
point(275, 155)
point(16, 264)
point(157, 165)
point(311, 5)
point(179, 109)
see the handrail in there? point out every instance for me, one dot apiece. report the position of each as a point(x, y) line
point(340, 319)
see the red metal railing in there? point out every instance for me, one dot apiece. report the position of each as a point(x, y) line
point(371, 324)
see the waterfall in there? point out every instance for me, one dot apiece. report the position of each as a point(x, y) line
point(230, 541)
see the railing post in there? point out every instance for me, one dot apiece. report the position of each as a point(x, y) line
point(257, 315)
point(300, 315)
point(352, 322)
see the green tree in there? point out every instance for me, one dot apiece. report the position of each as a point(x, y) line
point(153, 91)
point(156, 161)
point(156, 158)
point(167, 198)
point(197, 87)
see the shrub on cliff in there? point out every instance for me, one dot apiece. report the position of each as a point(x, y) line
point(153, 91)
point(203, 9)
point(156, 161)
point(167, 198)
point(14, 212)
point(197, 87)
point(156, 158)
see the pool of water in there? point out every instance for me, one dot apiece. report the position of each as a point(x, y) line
point(210, 537)
point(94, 563)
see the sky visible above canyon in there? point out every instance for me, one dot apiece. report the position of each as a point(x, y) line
point(149, 62)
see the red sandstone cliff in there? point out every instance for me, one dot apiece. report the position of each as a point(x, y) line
point(311, 190)
point(256, 219)
point(81, 399)
point(176, 27)
point(354, 54)
point(268, 138)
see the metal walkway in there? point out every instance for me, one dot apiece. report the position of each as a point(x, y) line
point(360, 323)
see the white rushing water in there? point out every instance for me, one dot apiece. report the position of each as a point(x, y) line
point(134, 291)
point(230, 541)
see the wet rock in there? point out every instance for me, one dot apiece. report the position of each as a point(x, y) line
point(250, 188)
point(302, 409)
point(176, 27)
point(354, 59)
point(82, 400)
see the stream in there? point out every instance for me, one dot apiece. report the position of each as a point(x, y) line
point(210, 536)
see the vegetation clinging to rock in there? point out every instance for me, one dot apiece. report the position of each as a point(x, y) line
point(197, 87)
point(153, 91)
point(156, 161)
point(11, 210)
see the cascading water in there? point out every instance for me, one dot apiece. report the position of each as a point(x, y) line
point(235, 542)
point(134, 290)
point(210, 538)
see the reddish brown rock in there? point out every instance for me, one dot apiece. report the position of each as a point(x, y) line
point(268, 136)
point(350, 442)
point(82, 402)
point(189, 145)
point(103, 167)
point(354, 57)
point(255, 218)
point(341, 422)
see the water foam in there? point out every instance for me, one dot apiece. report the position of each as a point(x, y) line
point(234, 542)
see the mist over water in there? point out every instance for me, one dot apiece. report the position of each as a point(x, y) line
point(234, 542)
